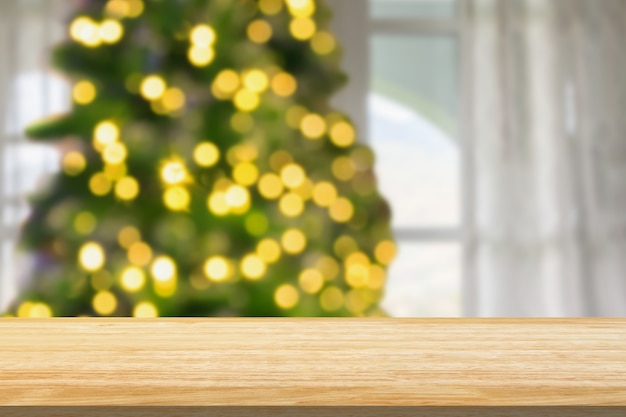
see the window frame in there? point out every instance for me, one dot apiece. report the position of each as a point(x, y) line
point(354, 27)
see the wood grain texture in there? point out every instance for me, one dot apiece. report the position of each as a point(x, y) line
point(189, 362)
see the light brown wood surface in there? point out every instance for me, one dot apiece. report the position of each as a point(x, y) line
point(477, 362)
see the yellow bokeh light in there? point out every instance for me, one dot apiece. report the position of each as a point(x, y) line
point(139, 253)
point(311, 281)
point(270, 7)
point(301, 8)
point(104, 303)
point(343, 168)
point(342, 134)
point(115, 172)
point(377, 277)
point(100, 184)
point(173, 99)
point(225, 84)
point(146, 310)
point(203, 35)
point(201, 56)
point(114, 153)
point(357, 275)
point(293, 241)
point(117, 8)
point(291, 205)
point(246, 100)
point(323, 43)
point(286, 296)
point(305, 190)
point(259, 31)
point(302, 28)
point(176, 198)
point(268, 250)
point(242, 153)
point(344, 246)
point(133, 279)
point(218, 204)
point(217, 269)
point(256, 80)
point(270, 186)
point(127, 188)
point(328, 266)
point(313, 126)
point(253, 267)
point(111, 31)
point(385, 252)
point(284, 84)
point(206, 154)
point(135, 8)
point(356, 301)
point(245, 173)
point(324, 194)
point(106, 133)
point(127, 236)
point(29, 309)
point(163, 268)
point(331, 299)
point(85, 222)
point(279, 159)
point(73, 163)
point(292, 175)
point(85, 31)
point(84, 92)
point(174, 172)
point(237, 196)
point(342, 210)
point(256, 224)
point(153, 87)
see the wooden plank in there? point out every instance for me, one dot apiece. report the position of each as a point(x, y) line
point(312, 362)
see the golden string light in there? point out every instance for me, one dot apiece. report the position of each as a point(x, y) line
point(284, 84)
point(253, 267)
point(225, 84)
point(286, 296)
point(176, 198)
point(73, 163)
point(259, 31)
point(85, 222)
point(163, 268)
point(270, 186)
point(201, 52)
point(302, 28)
point(313, 126)
point(139, 253)
point(152, 87)
point(311, 280)
point(323, 43)
point(270, 7)
point(293, 241)
point(206, 154)
point(145, 309)
point(342, 134)
point(104, 303)
point(217, 269)
point(84, 92)
point(133, 279)
point(385, 252)
point(268, 250)
point(127, 236)
point(127, 189)
point(331, 299)
point(100, 185)
point(174, 172)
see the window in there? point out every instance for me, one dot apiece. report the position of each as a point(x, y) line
point(414, 126)
point(413, 55)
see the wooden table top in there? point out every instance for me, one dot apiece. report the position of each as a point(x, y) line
point(330, 362)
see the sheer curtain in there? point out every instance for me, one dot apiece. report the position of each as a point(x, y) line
point(548, 120)
point(28, 91)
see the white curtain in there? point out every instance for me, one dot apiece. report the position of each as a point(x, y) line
point(548, 122)
point(28, 91)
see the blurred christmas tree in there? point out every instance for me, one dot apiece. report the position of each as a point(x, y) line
point(207, 174)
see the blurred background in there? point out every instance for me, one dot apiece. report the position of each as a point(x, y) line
point(499, 137)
